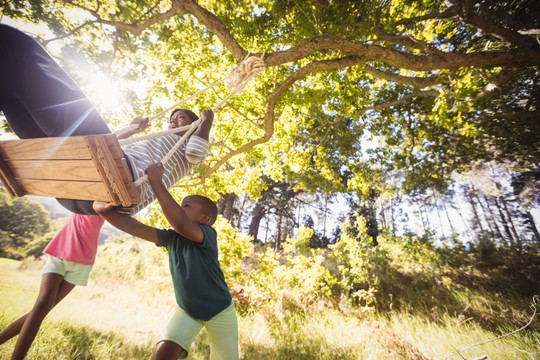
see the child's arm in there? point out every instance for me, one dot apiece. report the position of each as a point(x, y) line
point(207, 119)
point(125, 222)
point(197, 146)
point(174, 213)
point(142, 124)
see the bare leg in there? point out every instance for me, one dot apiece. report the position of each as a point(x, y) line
point(13, 329)
point(53, 289)
point(167, 350)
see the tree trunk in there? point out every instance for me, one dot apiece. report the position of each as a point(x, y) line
point(421, 217)
point(477, 221)
point(434, 197)
point(448, 218)
point(392, 216)
point(256, 216)
point(240, 212)
point(468, 230)
point(228, 210)
point(426, 214)
point(325, 215)
point(533, 226)
point(266, 229)
point(299, 217)
point(277, 243)
point(505, 224)
point(382, 209)
point(494, 218)
point(511, 223)
point(487, 217)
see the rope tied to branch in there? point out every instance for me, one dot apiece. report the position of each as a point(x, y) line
point(250, 67)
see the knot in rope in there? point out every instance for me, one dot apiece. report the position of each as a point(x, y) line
point(250, 67)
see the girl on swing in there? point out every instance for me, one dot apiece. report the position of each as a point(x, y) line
point(39, 99)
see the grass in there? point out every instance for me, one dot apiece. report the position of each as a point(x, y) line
point(22, 291)
point(120, 319)
point(62, 340)
point(333, 335)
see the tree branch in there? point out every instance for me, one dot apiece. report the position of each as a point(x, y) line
point(504, 76)
point(405, 40)
point(136, 28)
point(369, 52)
point(524, 115)
point(315, 66)
point(464, 10)
point(215, 25)
point(69, 33)
point(414, 81)
point(319, 4)
point(392, 57)
point(348, 53)
point(428, 93)
point(469, 16)
point(451, 12)
point(530, 32)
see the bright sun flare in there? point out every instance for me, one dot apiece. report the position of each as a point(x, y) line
point(103, 91)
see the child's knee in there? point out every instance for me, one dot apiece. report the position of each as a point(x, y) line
point(167, 349)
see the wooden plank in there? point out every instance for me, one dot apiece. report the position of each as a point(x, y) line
point(44, 148)
point(104, 162)
point(98, 157)
point(113, 145)
point(122, 165)
point(133, 193)
point(74, 170)
point(6, 184)
point(130, 187)
point(9, 181)
point(54, 148)
point(66, 189)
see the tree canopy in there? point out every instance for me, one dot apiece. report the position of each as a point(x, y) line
point(352, 90)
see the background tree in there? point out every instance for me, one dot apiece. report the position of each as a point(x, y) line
point(21, 221)
point(352, 91)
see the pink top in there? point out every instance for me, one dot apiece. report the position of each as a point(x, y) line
point(77, 241)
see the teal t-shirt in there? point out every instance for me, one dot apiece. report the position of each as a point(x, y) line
point(199, 284)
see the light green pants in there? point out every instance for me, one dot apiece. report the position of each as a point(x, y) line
point(222, 332)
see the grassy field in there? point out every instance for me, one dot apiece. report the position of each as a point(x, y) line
point(121, 319)
point(98, 311)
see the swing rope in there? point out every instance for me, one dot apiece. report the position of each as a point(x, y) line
point(133, 127)
point(249, 68)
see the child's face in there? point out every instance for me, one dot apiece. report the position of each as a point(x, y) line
point(194, 210)
point(179, 119)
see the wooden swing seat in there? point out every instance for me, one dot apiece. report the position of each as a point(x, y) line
point(89, 167)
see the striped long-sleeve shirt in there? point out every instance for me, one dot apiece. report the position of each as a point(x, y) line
point(144, 153)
